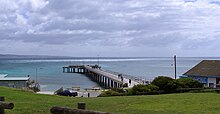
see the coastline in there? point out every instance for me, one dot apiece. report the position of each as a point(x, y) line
point(46, 92)
point(81, 93)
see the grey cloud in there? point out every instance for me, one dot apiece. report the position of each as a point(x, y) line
point(184, 24)
point(159, 40)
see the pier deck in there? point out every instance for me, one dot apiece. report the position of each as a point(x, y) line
point(107, 79)
point(103, 73)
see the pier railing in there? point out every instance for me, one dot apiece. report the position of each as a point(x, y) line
point(135, 78)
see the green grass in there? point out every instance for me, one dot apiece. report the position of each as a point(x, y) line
point(186, 103)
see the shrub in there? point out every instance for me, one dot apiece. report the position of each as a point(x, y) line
point(110, 93)
point(189, 83)
point(171, 87)
point(130, 91)
point(161, 82)
point(119, 90)
point(144, 89)
point(103, 94)
point(152, 88)
point(140, 89)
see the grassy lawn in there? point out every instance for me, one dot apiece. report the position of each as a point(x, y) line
point(196, 103)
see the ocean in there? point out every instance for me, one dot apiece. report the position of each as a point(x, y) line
point(50, 76)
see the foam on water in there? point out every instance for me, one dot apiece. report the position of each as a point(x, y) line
point(79, 60)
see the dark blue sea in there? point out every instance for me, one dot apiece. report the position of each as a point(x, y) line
point(50, 75)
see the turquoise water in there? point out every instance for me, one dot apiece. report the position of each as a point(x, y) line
point(51, 77)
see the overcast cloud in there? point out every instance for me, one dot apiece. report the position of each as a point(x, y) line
point(110, 27)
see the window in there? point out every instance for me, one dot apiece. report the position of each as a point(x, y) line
point(211, 85)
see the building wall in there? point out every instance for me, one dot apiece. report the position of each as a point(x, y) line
point(212, 81)
point(14, 84)
point(207, 81)
point(203, 80)
point(130, 85)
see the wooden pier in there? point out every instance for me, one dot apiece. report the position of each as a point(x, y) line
point(107, 79)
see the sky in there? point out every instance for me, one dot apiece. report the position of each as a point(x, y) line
point(116, 28)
